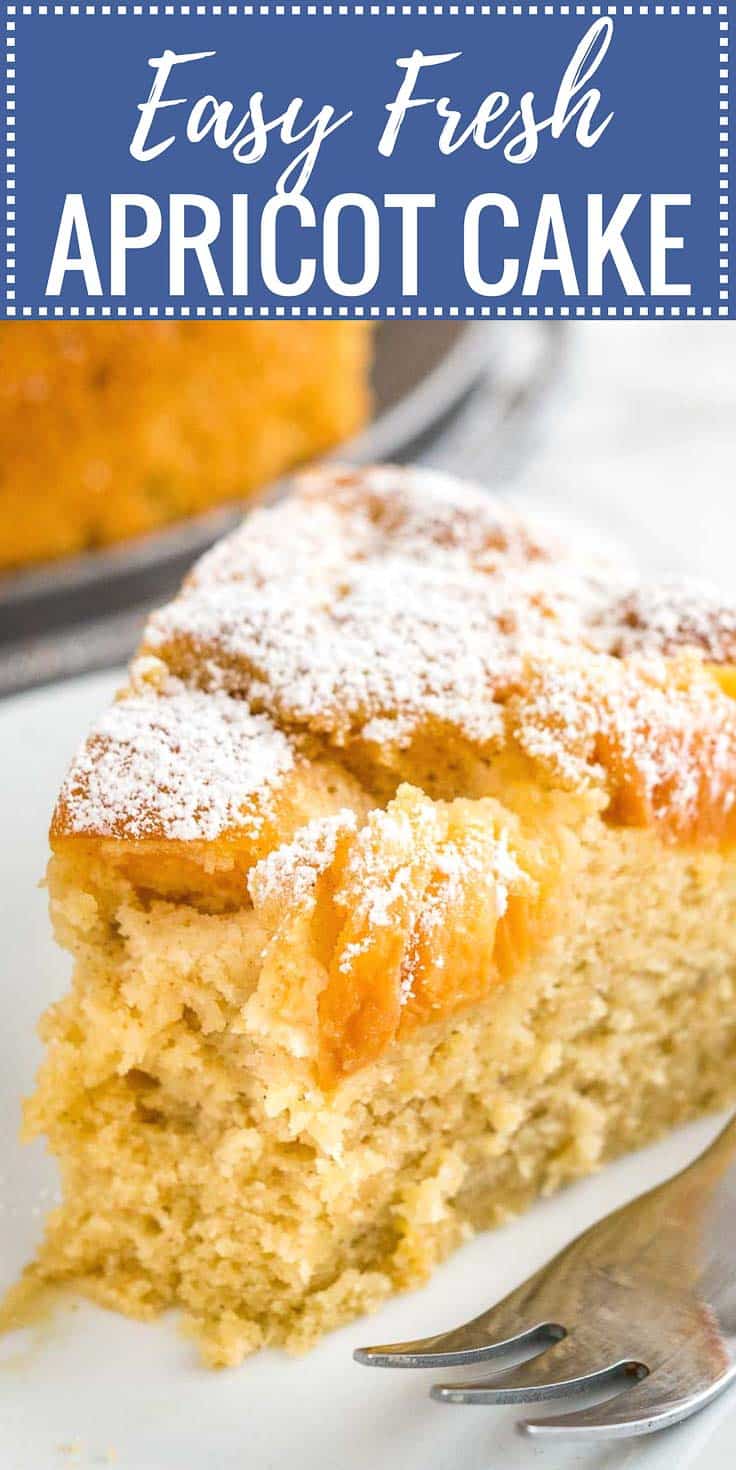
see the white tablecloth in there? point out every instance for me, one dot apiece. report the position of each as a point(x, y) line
point(636, 434)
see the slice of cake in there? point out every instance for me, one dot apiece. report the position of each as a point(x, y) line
point(401, 885)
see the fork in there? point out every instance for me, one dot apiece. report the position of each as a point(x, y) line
point(641, 1307)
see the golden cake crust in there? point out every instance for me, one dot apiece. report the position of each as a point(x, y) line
point(390, 654)
point(374, 608)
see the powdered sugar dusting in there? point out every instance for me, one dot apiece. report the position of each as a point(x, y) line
point(480, 864)
point(184, 765)
point(663, 617)
point(657, 732)
point(412, 598)
point(376, 605)
point(288, 875)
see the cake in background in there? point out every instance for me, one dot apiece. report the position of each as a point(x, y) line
point(109, 430)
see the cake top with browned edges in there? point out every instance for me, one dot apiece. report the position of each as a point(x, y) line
point(178, 764)
point(375, 600)
point(372, 606)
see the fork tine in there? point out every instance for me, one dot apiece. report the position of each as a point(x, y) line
point(564, 1368)
point(638, 1410)
point(473, 1342)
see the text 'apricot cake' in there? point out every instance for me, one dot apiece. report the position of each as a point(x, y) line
point(401, 885)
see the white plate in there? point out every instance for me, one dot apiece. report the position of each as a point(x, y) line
point(89, 1388)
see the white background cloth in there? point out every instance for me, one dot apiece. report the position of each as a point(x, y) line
point(636, 434)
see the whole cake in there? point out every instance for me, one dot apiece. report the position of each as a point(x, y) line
point(112, 429)
point(401, 885)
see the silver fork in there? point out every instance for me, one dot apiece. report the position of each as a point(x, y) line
point(641, 1307)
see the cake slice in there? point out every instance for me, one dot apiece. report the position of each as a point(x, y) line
point(401, 886)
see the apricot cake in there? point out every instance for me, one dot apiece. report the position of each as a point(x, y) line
point(401, 886)
point(109, 430)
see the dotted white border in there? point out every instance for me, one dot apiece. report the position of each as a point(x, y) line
point(723, 159)
point(9, 142)
point(368, 10)
point(239, 310)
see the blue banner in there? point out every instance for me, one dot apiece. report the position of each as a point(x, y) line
point(366, 160)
